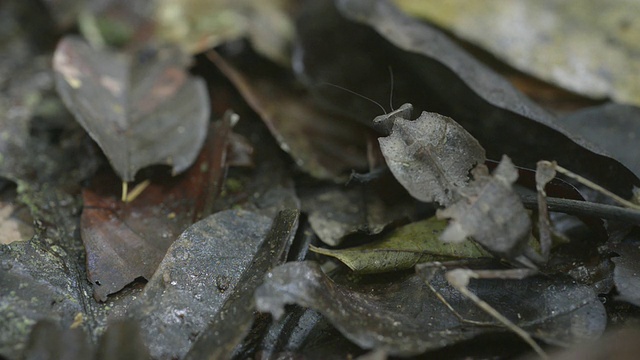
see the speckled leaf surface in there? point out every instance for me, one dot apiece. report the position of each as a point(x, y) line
point(195, 278)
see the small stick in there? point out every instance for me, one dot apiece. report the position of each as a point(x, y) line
point(125, 190)
point(590, 184)
point(137, 190)
point(584, 208)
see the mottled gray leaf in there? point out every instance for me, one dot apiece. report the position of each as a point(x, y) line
point(490, 212)
point(554, 309)
point(36, 284)
point(199, 272)
point(404, 316)
point(222, 335)
point(431, 156)
point(141, 110)
point(335, 211)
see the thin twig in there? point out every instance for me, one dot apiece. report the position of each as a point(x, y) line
point(585, 208)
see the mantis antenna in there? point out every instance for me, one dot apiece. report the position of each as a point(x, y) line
point(368, 98)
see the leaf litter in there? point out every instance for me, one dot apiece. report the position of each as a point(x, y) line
point(127, 240)
point(503, 113)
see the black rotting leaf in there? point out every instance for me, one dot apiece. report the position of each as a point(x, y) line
point(193, 281)
point(405, 317)
point(554, 309)
point(141, 110)
point(615, 128)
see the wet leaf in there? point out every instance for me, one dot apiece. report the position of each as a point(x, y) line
point(405, 247)
point(589, 48)
point(127, 240)
point(336, 212)
point(48, 341)
point(554, 309)
point(430, 156)
point(195, 278)
point(370, 317)
point(222, 335)
point(625, 274)
point(121, 340)
point(405, 318)
point(141, 110)
point(490, 212)
point(325, 146)
point(36, 284)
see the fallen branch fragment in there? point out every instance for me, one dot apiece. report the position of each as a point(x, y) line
point(585, 208)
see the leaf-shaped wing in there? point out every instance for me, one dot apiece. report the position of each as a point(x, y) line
point(431, 156)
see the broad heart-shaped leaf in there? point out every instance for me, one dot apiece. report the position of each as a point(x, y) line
point(430, 156)
point(490, 212)
point(141, 109)
point(405, 247)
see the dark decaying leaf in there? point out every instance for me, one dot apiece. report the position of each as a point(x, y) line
point(121, 340)
point(625, 274)
point(431, 156)
point(614, 128)
point(124, 241)
point(36, 284)
point(554, 309)
point(48, 341)
point(321, 144)
point(434, 74)
point(406, 318)
point(222, 335)
point(490, 212)
point(335, 212)
point(195, 278)
point(619, 344)
point(141, 110)
point(405, 247)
